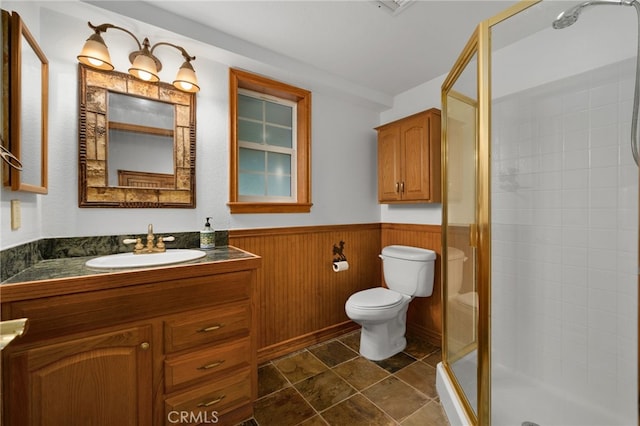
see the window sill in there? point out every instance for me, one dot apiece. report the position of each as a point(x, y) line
point(240, 207)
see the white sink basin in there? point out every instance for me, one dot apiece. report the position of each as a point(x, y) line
point(130, 260)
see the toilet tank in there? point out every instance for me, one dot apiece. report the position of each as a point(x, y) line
point(409, 270)
point(455, 259)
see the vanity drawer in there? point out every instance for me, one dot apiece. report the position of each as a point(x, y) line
point(209, 403)
point(83, 311)
point(193, 366)
point(208, 326)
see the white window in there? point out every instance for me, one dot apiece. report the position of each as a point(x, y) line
point(266, 148)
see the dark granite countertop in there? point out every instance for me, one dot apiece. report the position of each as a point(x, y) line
point(75, 266)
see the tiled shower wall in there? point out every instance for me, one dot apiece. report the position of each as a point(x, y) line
point(565, 237)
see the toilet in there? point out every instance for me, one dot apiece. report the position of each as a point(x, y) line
point(456, 259)
point(382, 312)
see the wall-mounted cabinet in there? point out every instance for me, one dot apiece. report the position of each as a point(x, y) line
point(409, 159)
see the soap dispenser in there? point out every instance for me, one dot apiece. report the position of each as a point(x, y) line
point(207, 236)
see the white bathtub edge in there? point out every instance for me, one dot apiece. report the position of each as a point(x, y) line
point(452, 407)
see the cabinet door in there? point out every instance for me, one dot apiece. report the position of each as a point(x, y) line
point(417, 162)
point(389, 163)
point(100, 380)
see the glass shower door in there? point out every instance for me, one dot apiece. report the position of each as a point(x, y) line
point(460, 230)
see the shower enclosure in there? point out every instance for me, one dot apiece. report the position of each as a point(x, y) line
point(540, 220)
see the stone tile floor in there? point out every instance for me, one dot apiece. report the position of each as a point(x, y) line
point(331, 384)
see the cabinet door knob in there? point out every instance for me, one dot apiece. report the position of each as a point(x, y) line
point(211, 328)
point(402, 187)
point(213, 364)
point(212, 402)
point(397, 186)
point(144, 346)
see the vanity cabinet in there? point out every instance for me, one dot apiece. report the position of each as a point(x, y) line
point(153, 347)
point(409, 159)
point(57, 383)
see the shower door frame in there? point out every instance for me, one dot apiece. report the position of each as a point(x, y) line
point(479, 44)
point(469, 52)
point(479, 231)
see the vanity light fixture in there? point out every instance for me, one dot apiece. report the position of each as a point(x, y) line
point(144, 64)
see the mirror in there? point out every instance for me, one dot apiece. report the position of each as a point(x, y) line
point(137, 142)
point(140, 128)
point(29, 85)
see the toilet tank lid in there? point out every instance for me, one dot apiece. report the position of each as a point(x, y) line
point(409, 253)
point(454, 253)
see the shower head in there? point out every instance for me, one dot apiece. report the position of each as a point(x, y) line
point(570, 16)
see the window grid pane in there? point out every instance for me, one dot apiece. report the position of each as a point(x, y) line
point(249, 107)
point(278, 136)
point(250, 131)
point(279, 164)
point(252, 184)
point(279, 186)
point(278, 114)
point(252, 160)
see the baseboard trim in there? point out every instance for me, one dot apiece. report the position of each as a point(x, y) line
point(423, 333)
point(297, 343)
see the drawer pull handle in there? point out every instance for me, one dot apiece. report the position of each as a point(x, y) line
point(211, 365)
point(212, 328)
point(212, 402)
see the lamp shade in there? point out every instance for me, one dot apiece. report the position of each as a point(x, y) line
point(95, 53)
point(144, 68)
point(186, 79)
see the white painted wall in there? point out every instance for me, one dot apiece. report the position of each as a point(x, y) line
point(343, 140)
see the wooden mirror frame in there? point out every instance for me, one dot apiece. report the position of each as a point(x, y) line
point(6, 90)
point(17, 144)
point(94, 141)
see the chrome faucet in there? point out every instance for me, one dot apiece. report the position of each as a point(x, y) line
point(141, 248)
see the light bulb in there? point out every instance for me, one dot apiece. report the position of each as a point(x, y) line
point(186, 85)
point(146, 76)
point(95, 62)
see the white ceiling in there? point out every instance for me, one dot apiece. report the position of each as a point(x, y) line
point(356, 42)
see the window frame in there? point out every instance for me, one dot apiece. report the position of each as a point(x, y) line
point(239, 79)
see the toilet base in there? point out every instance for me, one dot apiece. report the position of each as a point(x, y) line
point(382, 340)
point(372, 349)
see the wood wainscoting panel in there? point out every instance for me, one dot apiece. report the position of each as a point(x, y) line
point(300, 298)
point(424, 318)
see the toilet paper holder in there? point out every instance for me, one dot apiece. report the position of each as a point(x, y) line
point(338, 252)
point(340, 263)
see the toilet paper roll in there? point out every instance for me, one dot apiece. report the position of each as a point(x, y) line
point(340, 266)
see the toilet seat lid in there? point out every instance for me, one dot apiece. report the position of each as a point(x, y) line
point(375, 298)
